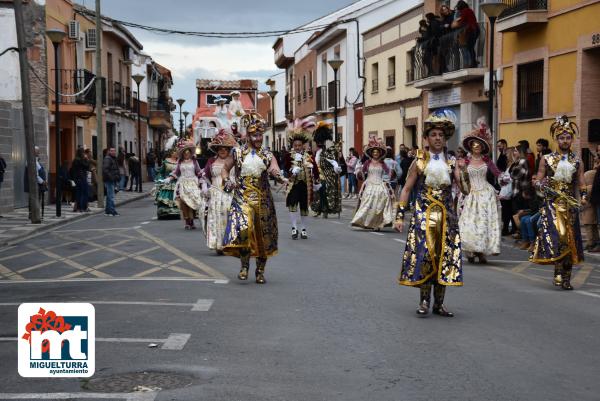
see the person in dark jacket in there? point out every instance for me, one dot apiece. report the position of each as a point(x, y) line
point(79, 171)
point(135, 171)
point(110, 175)
point(2, 170)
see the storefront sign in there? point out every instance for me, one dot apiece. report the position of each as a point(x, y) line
point(444, 97)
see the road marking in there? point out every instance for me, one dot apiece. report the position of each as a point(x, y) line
point(180, 254)
point(201, 305)
point(92, 280)
point(6, 272)
point(176, 341)
point(400, 240)
point(140, 396)
point(87, 230)
point(136, 227)
point(337, 222)
point(589, 294)
point(521, 267)
point(380, 234)
point(146, 222)
point(582, 275)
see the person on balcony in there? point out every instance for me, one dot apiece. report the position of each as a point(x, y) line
point(468, 34)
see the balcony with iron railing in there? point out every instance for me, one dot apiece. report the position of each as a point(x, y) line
point(321, 98)
point(159, 112)
point(521, 14)
point(80, 82)
point(391, 81)
point(374, 85)
point(450, 58)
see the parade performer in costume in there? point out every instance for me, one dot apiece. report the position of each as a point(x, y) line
point(376, 199)
point(479, 220)
point(221, 111)
point(236, 110)
point(165, 191)
point(328, 200)
point(302, 173)
point(187, 190)
point(217, 200)
point(251, 228)
point(559, 236)
point(433, 254)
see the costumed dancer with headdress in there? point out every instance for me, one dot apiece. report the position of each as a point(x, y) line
point(328, 200)
point(221, 111)
point(236, 109)
point(217, 200)
point(302, 173)
point(479, 220)
point(376, 199)
point(251, 228)
point(187, 189)
point(559, 239)
point(165, 191)
point(432, 257)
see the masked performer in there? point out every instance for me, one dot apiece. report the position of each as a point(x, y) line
point(559, 236)
point(432, 257)
point(217, 200)
point(165, 191)
point(187, 190)
point(328, 200)
point(251, 228)
point(479, 221)
point(376, 199)
point(302, 172)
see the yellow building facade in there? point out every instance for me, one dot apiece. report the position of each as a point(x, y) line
point(550, 66)
point(392, 110)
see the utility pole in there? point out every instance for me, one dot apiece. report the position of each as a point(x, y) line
point(34, 207)
point(99, 108)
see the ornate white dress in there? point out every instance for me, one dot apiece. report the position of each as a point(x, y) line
point(187, 184)
point(376, 202)
point(479, 221)
point(217, 204)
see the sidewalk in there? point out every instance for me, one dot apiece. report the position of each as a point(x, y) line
point(16, 226)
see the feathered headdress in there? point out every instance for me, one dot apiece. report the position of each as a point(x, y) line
point(323, 133)
point(481, 134)
point(252, 122)
point(562, 125)
point(301, 129)
point(443, 119)
point(171, 143)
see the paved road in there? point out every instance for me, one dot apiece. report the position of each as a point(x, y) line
point(331, 323)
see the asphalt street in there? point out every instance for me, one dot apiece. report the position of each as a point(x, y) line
point(330, 324)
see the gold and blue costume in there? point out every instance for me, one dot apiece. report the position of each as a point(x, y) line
point(559, 235)
point(433, 249)
point(328, 200)
point(251, 228)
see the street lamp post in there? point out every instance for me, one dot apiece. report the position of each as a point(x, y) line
point(185, 114)
point(138, 78)
point(492, 9)
point(272, 93)
point(335, 64)
point(180, 102)
point(56, 36)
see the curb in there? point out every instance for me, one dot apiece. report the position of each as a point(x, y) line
point(44, 228)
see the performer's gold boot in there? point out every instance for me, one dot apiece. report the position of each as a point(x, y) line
point(245, 259)
point(260, 270)
point(566, 274)
point(558, 274)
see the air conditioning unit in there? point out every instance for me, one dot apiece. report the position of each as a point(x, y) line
point(91, 39)
point(74, 30)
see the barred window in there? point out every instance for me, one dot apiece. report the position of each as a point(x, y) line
point(530, 90)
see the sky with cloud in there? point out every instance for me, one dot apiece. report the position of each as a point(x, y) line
point(190, 58)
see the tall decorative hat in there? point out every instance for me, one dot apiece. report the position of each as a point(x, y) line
point(184, 145)
point(171, 143)
point(376, 144)
point(234, 93)
point(323, 133)
point(562, 125)
point(223, 139)
point(481, 135)
point(252, 122)
point(301, 130)
point(443, 119)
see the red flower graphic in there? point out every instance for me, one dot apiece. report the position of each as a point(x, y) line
point(44, 321)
